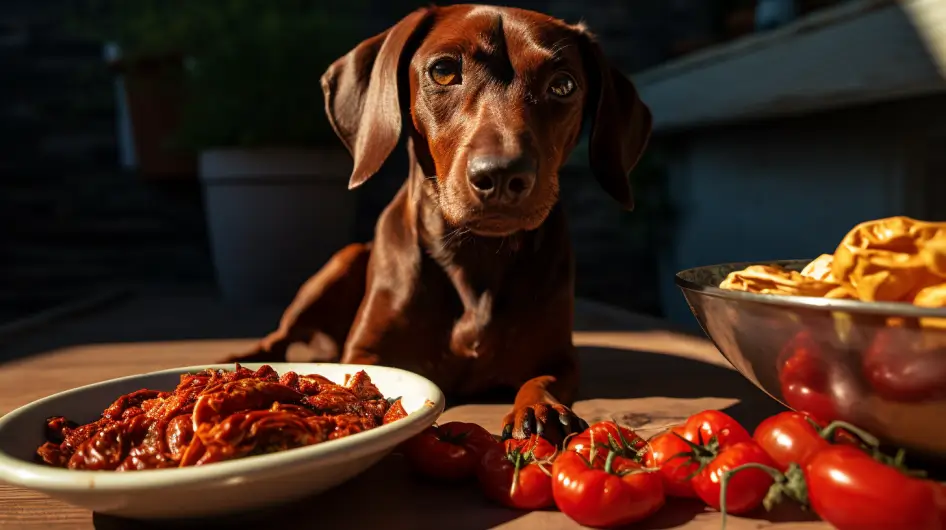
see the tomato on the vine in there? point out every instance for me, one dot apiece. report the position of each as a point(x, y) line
point(939, 491)
point(514, 473)
point(704, 426)
point(804, 379)
point(901, 365)
point(613, 494)
point(790, 437)
point(675, 458)
point(746, 488)
point(668, 452)
point(853, 491)
point(806, 398)
point(604, 436)
point(450, 451)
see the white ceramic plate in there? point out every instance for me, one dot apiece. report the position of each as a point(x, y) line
point(224, 487)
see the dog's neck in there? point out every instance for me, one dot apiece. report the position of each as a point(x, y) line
point(477, 265)
point(484, 271)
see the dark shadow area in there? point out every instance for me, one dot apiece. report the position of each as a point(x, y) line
point(609, 373)
point(385, 496)
point(149, 317)
point(680, 511)
point(593, 315)
point(460, 507)
point(196, 314)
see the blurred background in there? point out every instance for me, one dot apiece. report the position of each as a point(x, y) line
point(181, 146)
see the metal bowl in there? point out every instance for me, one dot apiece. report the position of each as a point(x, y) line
point(878, 365)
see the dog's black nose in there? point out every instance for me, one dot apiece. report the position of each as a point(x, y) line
point(501, 179)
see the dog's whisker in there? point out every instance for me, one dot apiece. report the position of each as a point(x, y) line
point(449, 237)
point(455, 236)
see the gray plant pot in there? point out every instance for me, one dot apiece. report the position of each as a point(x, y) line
point(274, 217)
point(771, 14)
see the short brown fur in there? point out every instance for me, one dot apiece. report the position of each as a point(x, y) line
point(474, 293)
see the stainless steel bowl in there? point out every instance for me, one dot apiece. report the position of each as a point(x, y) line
point(871, 364)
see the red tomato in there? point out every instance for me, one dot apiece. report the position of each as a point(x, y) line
point(901, 366)
point(451, 451)
point(805, 398)
point(702, 427)
point(604, 436)
point(747, 487)
point(939, 491)
point(789, 437)
point(512, 474)
point(711, 430)
point(668, 453)
point(852, 491)
point(616, 493)
point(799, 359)
point(804, 380)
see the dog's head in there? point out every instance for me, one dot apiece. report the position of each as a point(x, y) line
point(494, 99)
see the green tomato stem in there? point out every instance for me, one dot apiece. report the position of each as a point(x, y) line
point(724, 484)
point(829, 432)
point(873, 443)
point(517, 464)
point(609, 463)
point(701, 453)
point(699, 450)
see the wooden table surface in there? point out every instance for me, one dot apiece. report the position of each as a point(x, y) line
point(645, 379)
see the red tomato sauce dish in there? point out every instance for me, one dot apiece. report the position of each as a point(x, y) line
point(217, 415)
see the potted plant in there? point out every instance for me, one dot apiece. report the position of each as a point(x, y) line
point(145, 41)
point(274, 174)
point(771, 14)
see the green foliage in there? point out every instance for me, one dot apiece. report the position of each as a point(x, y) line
point(142, 28)
point(252, 66)
point(254, 79)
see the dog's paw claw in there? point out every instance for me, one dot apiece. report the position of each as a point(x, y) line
point(552, 422)
point(507, 431)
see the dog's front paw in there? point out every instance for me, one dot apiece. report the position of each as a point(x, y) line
point(553, 422)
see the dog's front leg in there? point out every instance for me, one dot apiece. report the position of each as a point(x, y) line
point(327, 303)
point(543, 403)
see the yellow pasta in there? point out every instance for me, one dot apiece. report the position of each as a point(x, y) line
point(897, 259)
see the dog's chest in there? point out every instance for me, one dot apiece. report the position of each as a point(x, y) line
point(470, 337)
point(492, 322)
point(493, 334)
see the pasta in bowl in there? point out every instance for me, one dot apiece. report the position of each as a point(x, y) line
point(857, 335)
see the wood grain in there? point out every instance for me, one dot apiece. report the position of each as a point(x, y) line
point(644, 379)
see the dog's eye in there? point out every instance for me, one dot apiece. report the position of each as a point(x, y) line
point(445, 72)
point(562, 85)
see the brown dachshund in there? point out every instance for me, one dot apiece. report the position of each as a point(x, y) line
point(470, 278)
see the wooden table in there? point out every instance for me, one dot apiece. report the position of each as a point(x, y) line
point(647, 379)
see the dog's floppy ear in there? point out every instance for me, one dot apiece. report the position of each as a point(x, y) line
point(362, 100)
point(620, 125)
